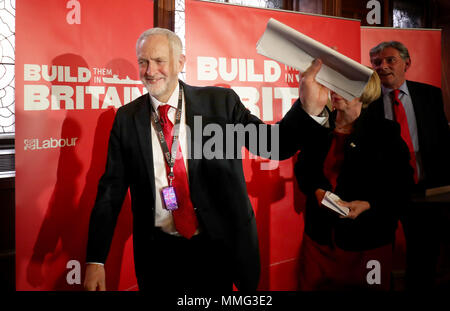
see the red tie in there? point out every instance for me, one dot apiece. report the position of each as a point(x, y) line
point(400, 117)
point(184, 217)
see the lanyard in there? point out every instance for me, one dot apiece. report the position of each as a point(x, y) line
point(169, 156)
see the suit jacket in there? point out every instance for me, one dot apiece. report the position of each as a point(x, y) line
point(217, 186)
point(375, 169)
point(433, 132)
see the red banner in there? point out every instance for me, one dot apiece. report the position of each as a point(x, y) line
point(221, 50)
point(424, 48)
point(75, 64)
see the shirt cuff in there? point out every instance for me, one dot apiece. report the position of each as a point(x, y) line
point(95, 263)
point(322, 118)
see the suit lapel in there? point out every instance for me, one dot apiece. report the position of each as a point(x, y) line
point(142, 119)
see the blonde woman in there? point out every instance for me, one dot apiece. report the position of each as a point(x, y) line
point(362, 159)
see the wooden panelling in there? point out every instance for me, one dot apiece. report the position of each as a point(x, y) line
point(164, 14)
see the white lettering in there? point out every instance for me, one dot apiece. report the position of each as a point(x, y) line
point(74, 275)
point(211, 68)
point(228, 76)
point(206, 68)
point(35, 97)
point(62, 93)
point(34, 143)
point(67, 76)
point(251, 72)
point(80, 97)
point(46, 76)
point(196, 301)
point(95, 91)
point(272, 71)
point(31, 72)
point(84, 75)
point(287, 94)
point(213, 147)
point(374, 275)
point(242, 70)
point(135, 93)
point(111, 98)
point(73, 16)
point(60, 73)
point(374, 16)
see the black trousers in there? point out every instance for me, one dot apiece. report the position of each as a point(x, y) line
point(421, 228)
point(422, 249)
point(179, 265)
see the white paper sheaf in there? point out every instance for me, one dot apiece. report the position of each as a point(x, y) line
point(330, 200)
point(339, 73)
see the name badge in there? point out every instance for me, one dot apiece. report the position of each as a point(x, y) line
point(169, 198)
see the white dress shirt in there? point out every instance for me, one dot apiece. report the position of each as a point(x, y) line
point(163, 217)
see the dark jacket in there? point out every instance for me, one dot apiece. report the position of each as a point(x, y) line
point(433, 131)
point(375, 169)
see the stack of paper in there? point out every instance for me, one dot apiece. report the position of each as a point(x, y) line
point(330, 200)
point(339, 73)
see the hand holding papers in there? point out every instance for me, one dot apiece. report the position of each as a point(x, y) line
point(339, 73)
point(331, 200)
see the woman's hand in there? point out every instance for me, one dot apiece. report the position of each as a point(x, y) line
point(320, 193)
point(356, 208)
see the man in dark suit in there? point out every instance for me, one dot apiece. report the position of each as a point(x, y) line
point(426, 133)
point(217, 245)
